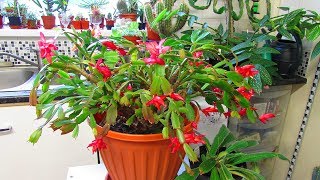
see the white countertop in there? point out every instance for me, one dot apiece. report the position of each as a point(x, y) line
point(25, 33)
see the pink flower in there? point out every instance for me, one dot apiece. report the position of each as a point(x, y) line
point(97, 144)
point(157, 101)
point(192, 138)
point(155, 50)
point(176, 97)
point(46, 47)
point(104, 70)
point(265, 117)
point(245, 93)
point(246, 70)
point(197, 54)
point(209, 110)
point(175, 144)
point(154, 60)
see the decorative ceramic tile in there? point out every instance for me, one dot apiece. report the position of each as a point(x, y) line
point(20, 48)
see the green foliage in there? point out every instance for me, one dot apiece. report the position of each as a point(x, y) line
point(127, 6)
point(224, 158)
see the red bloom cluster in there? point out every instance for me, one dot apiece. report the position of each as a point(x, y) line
point(46, 47)
point(104, 70)
point(110, 45)
point(97, 144)
point(156, 50)
point(197, 54)
point(246, 70)
point(158, 101)
point(191, 138)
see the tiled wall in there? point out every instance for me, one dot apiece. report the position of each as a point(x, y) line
point(19, 48)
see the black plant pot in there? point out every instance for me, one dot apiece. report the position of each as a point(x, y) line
point(15, 21)
point(109, 27)
point(142, 26)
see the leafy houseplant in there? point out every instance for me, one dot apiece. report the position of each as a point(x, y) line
point(14, 15)
point(32, 21)
point(48, 7)
point(125, 89)
point(109, 21)
point(224, 156)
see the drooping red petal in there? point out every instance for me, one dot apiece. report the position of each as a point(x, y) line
point(209, 110)
point(176, 97)
point(104, 70)
point(245, 93)
point(109, 45)
point(175, 145)
point(97, 144)
point(192, 138)
point(197, 54)
point(265, 117)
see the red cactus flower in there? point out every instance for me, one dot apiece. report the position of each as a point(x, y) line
point(110, 45)
point(129, 87)
point(104, 70)
point(265, 117)
point(227, 114)
point(97, 144)
point(46, 47)
point(176, 97)
point(209, 110)
point(245, 93)
point(194, 125)
point(246, 70)
point(192, 138)
point(157, 101)
point(155, 50)
point(175, 145)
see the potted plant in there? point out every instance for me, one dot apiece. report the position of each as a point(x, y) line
point(76, 23)
point(109, 21)
point(137, 98)
point(49, 20)
point(32, 21)
point(14, 16)
point(127, 9)
point(142, 19)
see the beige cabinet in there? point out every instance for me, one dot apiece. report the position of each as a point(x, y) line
point(49, 159)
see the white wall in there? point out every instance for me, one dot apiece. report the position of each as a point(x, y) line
point(49, 159)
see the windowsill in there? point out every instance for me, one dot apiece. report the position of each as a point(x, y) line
point(22, 33)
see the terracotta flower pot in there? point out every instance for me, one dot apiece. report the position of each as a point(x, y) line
point(131, 16)
point(32, 24)
point(76, 24)
point(140, 157)
point(84, 24)
point(133, 39)
point(1, 22)
point(152, 35)
point(49, 22)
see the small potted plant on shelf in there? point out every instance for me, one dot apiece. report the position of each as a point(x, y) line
point(76, 23)
point(127, 9)
point(14, 15)
point(109, 21)
point(142, 18)
point(95, 6)
point(32, 21)
point(47, 7)
point(64, 16)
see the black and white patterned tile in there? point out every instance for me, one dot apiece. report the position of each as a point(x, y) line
point(20, 48)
